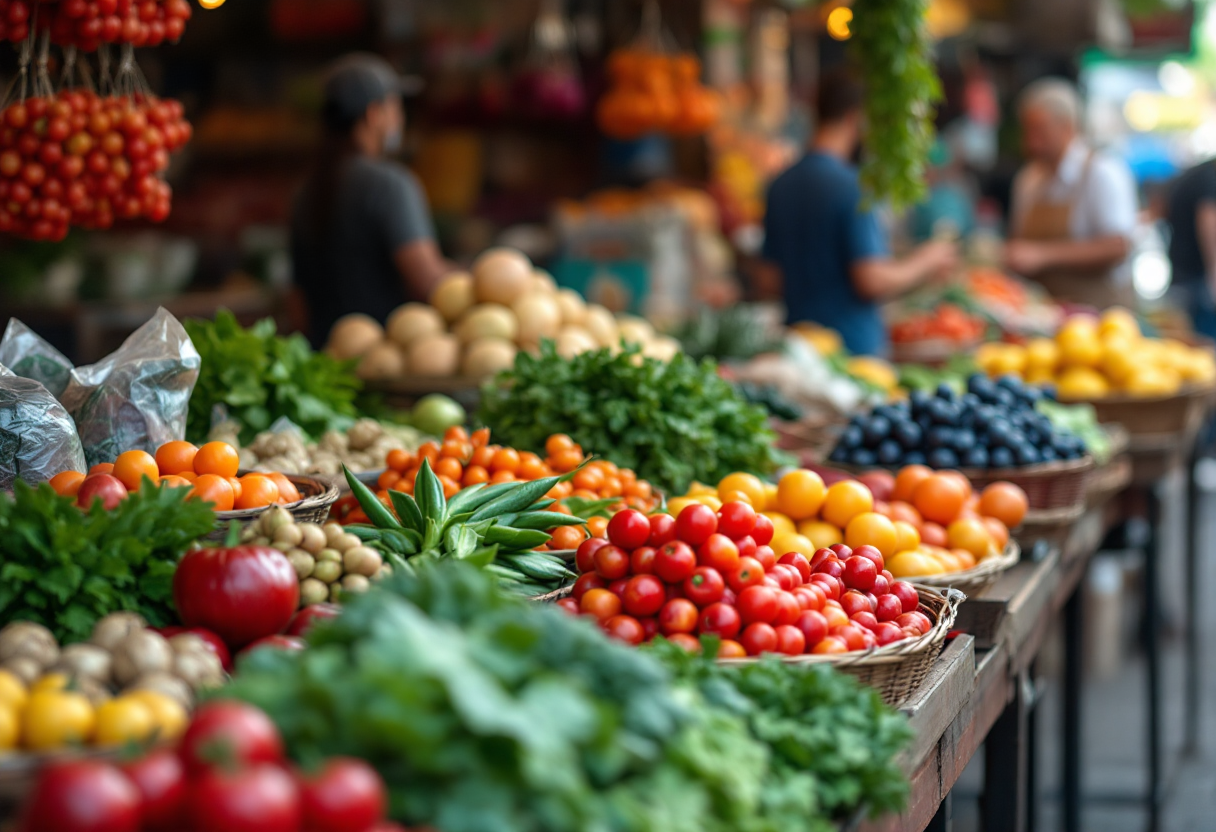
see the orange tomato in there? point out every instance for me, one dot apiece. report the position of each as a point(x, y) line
point(532, 467)
point(567, 537)
point(132, 466)
point(566, 461)
point(590, 478)
point(457, 449)
point(473, 475)
point(598, 526)
point(67, 483)
point(963, 482)
point(844, 501)
point(502, 476)
point(971, 535)
point(965, 559)
point(189, 476)
point(612, 487)
point(872, 529)
point(801, 495)
point(480, 437)
point(830, 645)
point(1006, 502)
point(505, 459)
point(214, 489)
point(940, 497)
point(450, 487)
point(932, 534)
point(102, 468)
point(235, 482)
point(217, 458)
point(388, 478)
point(429, 450)
point(175, 457)
point(288, 492)
point(456, 433)
point(640, 489)
point(557, 443)
point(257, 490)
point(399, 459)
point(907, 538)
point(449, 467)
point(905, 512)
point(836, 616)
point(174, 481)
point(907, 480)
point(483, 456)
point(998, 530)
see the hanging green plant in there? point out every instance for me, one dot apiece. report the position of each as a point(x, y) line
point(895, 57)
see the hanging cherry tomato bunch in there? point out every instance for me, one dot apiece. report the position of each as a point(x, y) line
point(80, 159)
point(86, 24)
point(656, 93)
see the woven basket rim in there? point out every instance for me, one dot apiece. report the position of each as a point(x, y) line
point(1043, 470)
point(1187, 391)
point(1036, 517)
point(985, 569)
point(326, 494)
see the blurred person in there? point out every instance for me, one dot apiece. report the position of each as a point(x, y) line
point(1191, 215)
point(948, 211)
point(824, 246)
point(1074, 207)
point(362, 239)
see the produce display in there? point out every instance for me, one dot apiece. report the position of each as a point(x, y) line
point(361, 447)
point(255, 377)
point(1092, 358)
point(476, 322)
point(942, 322)
point(418, 676)
point(88, 25)
point(995, 424)
point(919, 512)
point(737, 333)
point(670, 421)
point(126, 684)
point(652, 92)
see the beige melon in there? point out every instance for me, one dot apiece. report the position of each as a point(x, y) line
point(600, 324)
point(501, 275)
point(487, 356)
point(453, 296)
point(412, 321)
point(573, 307)
point(436, 356)
point(539, 317)
point(385, 360)
point(352, 335)
point(487, 320)
point(573, 340)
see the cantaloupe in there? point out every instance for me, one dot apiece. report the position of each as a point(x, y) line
point(385, 360)
point(573, 307)
point(487, 356)
point(539, 317)
point(487, 320)
point(453, 296)
point(352, 335)
point(600, 324)
point(573, 340)
point(412, 321)
point(435, 356)
point(501, 275)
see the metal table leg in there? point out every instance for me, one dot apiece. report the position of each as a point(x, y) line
point(1006, 766)
point(1152, 644)
point(1194, 656)
point(1073, 652)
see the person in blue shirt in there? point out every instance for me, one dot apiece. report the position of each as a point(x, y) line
point(833, 258)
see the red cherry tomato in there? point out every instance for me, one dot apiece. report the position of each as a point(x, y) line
point(859, 573)
point(675, 562)
point(766, 556)
point(787, 609)
point(570, 605)
point(611, 562)
point(917, 620)
point(705, 587)
point(584, 556)
point(829, 566)
point(799, 562)
point(346, 795)
point(853, 602)
point(736, 519)
point(644, 595)
point(790, 640)
point(83, 795)
point(247, 735)
point(662, 529)
point(600, 603)
point(889, 608)
point(870, 553)
point(303, 621)
point(853, 635)
point(866, 619)
point(629, 529)
point(617, 587)
point(757, 603)
point(161, 780)
point(814, 627)
point(888, 633)
point(747, 546)
point(762, 532)
point(587, 581)
point(759, 638)
point(820, 556)
point(690, 643)
point(641, 562)
point(720, 552)
point(881, 586)
point(828, 585)
point(650, 627)
point(749, 572)
point(908, 597)
point(787, 576)
point(720, 620)
point(679, 615)
point(696, 523)
point(258, 798)
point(625, 628)
point(841, 551)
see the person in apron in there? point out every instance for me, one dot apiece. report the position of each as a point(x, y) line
point(1074, 209)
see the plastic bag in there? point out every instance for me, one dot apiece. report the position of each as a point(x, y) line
point(26, 354)
point(136, 397)
point(37, 437)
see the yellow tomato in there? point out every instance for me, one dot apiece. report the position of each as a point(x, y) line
point(1080, 345)
point(50, 681)
point(914, 563)
point(10, 727)
point(971, 535)
point(1042, 355)
point(12, 690)
point(785, 543)
point(872, 529)
point(711, 501)
point(740, 482)
point(821, 534)
point(1118, 320)
point(1119, 359)
point(122, 720)
point(675, 506)
point(800, 494)
point(168, 715)
point(736, 497)
point(770, 495)
point(906, 536)
point(844, 501)
point(700, 489)
point(1082, 383)
point(781, 523)
point(56, 718)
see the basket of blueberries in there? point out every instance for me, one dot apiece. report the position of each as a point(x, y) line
point(991, 432)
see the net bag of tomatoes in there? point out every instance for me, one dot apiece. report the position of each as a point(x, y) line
point(714, 573)
point(87, 24)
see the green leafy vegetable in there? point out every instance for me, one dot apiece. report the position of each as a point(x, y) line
point(671, 422)
point(738, 332)
point(66, 568)
point(260, 377)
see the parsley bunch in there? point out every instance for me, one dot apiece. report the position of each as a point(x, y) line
point(670, 421)
point(66, 568)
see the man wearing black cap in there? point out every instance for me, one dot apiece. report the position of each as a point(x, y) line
point(361, 233)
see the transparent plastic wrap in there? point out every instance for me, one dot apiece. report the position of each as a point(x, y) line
point(37, 436)
point(135, 398)
point(26, 354)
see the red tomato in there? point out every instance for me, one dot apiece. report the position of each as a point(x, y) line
point(260, 798)
point(570, 605)
point(853, 636)
point(346, 795)
point(629, 529)
point(729, 596)
point(696, 523)
point(828, 585)
point(690, 643)
point(587, 581)
point(747, 547)
point(731, 649)
point(662, 529)
point(736, 519)
point(799, 562)
point(790, 640)
point(759, 638)
point(104, 487)
point(241, 594)
point(870, 553)
point(881, 586)
point(161, 781)
point(679, 615)
point(830, 645)
point(787, 609)
point(247, 735)
point(584, 556)
point(600, 603)
point(865, 619)
point(720, 552)
point(213, 642)
point(641, 562)
point(305, 618)
point(617, 587)
point(917, 620)
point(766, 556)
point(757, 603)
point(814, 627)
point(650, 628)
point(720, 620)
point(787, 576)
point(275, 642)
point(888, 633)
point(625, 628)
point(762, 533)
point(909, 598)
point(886, 573)
point(749, 572)
point(853, 602)
point(841, 551)
point(644, 595)
point(611, 562)
point(820, 556)
point(675, 562)
point(829, 566)
point(705, 587)
point(889, 608)
point(82, 795)
point(869, 642)
point(859, 573)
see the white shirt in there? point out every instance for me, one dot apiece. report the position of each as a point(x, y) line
point(1106, 202)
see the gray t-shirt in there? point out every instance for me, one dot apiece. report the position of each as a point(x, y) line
point(343, 260)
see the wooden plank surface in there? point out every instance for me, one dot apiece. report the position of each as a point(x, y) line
point(939, 700)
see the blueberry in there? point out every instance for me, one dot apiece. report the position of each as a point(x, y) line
point(998, 432)
point(1048, 454)
point(1049, 393)
point(924, 422)
point(889, 452)
point(1010, 382)
point(918, 399)
point(944, 412)
point(939, 436)
point(883, 410)
point(1026, 454)
point(1004, 398)
point(1031, 395)
point(1001, 458)
point(876, 430)
point(977, 457)
point(943, 458)
point(982, 418)
point(908, 434)
point(851, 437)
point(839, 454)
point(863, 457)
point(1062, 445)
point(964, 440)
point(945, 392)
point(980, 385)
point(970, 401)
point(858, 419)
point(914, 458)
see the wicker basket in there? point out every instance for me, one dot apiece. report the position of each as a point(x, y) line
point(897, 670)
point(1157, 415)
point(1052, 526)
point(313, 507)
point(975, 580)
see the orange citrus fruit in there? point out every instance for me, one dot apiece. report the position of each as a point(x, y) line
point(872, 529)
point(800, 495)
point(175, 457)
point(257, 490)
point(844, 501)
point(132, 466)
point(214, 489)
point(217, 458)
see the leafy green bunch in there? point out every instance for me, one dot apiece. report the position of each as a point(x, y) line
point(67, 568)
point(670, 421)
point(260, 377)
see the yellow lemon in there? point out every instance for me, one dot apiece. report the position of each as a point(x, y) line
point(56, 718)
point(168, 715)
point(874, 370)
point(800, 494)
point(914, 563)
point(123, 720)
point(1149, 382)
point(1079, 345)
point(1011, 360)
point(1082, 383)
point(785, 543)
point(1119, 320)
point(987, 355)
point(1118, 359)
point(1042, 354)
point(10, 727)
point(12, 690)
point(748, 484)
point(781, 523)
